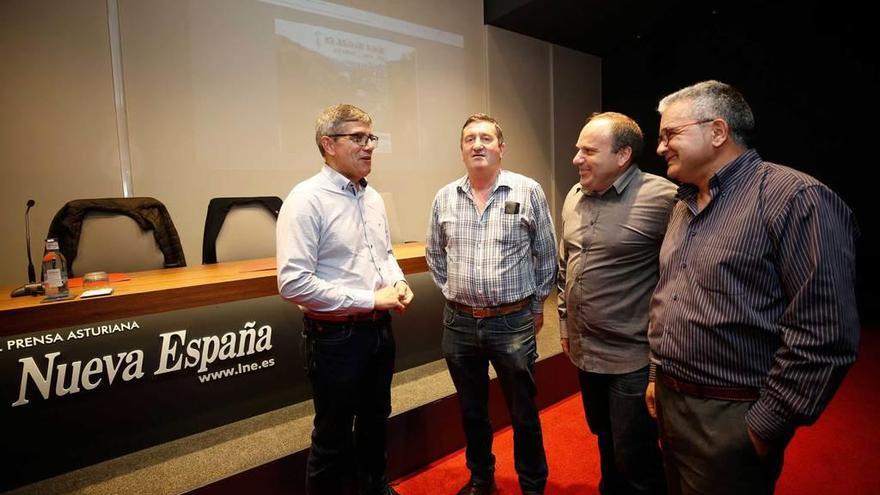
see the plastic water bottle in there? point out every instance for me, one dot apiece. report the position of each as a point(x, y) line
point(54, 271)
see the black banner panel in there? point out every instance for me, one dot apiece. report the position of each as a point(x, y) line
point(75, 396)
point(72, 397)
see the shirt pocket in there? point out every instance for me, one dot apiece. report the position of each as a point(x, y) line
point(375, 231)
point(377, 236)
point(726, 271)
point(513, 229)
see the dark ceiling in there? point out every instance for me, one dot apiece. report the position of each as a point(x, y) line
point(603, 27)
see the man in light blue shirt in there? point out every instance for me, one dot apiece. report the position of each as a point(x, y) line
point(335, 261)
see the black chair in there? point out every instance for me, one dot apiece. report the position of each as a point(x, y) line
point(219, 208)
point(113, 234)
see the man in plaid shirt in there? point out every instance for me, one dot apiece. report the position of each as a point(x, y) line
point(491, 250)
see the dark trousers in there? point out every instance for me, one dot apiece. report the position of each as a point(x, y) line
point(350, 367)
point(508, 342)
point(707, 450)
point(616, 413)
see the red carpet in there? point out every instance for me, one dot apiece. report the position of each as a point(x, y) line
point(839, 454)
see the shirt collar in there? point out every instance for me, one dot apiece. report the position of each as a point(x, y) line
point(503, 179)
point(736, 171)
point(619, 184)
point(728, 176)
point(340, 181)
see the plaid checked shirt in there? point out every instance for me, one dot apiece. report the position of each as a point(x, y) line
point(502, 256)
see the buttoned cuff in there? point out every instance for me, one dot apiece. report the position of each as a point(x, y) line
point(652, 373)
point(766, 422)
point(363, 299)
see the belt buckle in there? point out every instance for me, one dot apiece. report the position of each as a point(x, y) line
point(480, 312)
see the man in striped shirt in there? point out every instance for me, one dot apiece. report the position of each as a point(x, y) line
point(491, 250)
point(753, 322)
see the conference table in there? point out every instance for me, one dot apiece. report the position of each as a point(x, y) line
point(157, 291)
point(168, 354)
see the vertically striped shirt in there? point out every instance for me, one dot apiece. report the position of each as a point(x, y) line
point(501, 256)
point(758, 290)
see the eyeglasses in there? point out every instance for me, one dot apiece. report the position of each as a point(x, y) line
point(359, 138)
point(671, 132)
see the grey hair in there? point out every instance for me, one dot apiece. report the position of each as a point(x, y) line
point(624, 132)
point(716, 100)
point(332, 118)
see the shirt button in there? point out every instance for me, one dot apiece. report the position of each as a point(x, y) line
point(684, 265)
point(675, 297)
point(693, 234)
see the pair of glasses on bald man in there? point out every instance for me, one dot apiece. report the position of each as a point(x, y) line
point(359, 138)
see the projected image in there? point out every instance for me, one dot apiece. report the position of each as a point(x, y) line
point(334, 66)
point(417, 81)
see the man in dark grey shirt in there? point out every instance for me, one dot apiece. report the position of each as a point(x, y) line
point(613, 222)
point(754, 321)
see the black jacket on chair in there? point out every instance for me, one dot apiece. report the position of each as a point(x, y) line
point(149, 213)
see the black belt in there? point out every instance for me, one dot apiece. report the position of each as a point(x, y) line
point(491, 311)
point(375, 315)
point(742, 394)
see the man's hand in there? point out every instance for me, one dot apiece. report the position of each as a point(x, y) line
point(649, 400)
point(565, 346)
point(539, 322)
point(404, 293)
point(762, 448)
point(388, 298)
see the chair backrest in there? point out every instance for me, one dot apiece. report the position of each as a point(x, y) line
point(240, 228)
point(116, 243)
point(114, 233)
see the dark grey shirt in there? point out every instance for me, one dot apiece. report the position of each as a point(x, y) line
point(608, 269)
point(758, 289)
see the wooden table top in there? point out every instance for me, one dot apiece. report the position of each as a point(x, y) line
point(157, 291)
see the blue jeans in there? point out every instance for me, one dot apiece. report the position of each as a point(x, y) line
point(508, 342)
point(629, 458)
point(350, 367)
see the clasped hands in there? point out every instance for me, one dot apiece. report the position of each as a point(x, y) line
point(396, 297)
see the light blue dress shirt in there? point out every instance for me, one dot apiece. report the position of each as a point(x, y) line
point(333, 246)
